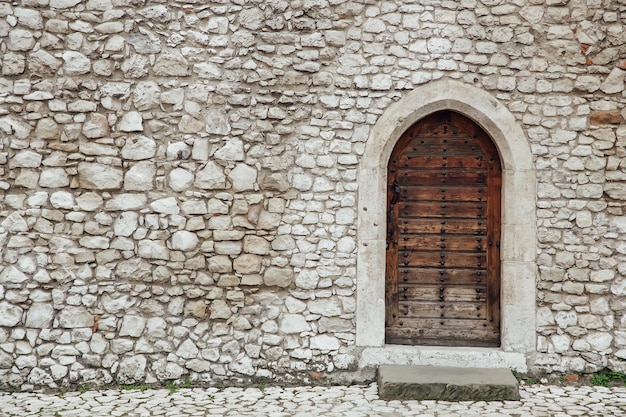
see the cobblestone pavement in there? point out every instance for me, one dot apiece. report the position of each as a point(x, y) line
point(340, 401)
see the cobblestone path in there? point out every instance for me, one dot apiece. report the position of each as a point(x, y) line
point(336, 401)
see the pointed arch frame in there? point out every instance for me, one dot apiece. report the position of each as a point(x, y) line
point(518, 241)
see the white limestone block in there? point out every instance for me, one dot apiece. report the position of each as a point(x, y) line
point(180, 179)
point(132, 325)
point(96, 176)
point(153, 249)
point(43, 63)
point(171, 64)
point(231, 151)
point(13, 64)
point(75, 63)
point(71, 317)
point(15, 223)
point(210, 177)
point(53, 178)
point(126, 223)
point(110, 27)
point(167, 205)
point(599, 341)
point(248, 264)
point(139, 147)
point(39, 315)
point(243, 177)
point(178, 150)
point(146, 95)
point(252, 18)
point(132, 369)
point(293, 324)
point(324, 342)
point(614, 82)
point(184, 240)
point(126, 201)
point(20, 40)
point(327, 307)
point(307, 279)
point(132, 121)
point(62, 199)
point(12, 125)
point(140, 176)
point(12, 275)
point(276, 276)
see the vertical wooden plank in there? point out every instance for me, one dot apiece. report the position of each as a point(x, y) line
point(391, 281)
point(494, 186)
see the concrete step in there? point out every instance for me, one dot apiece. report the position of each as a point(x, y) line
point(406, 382)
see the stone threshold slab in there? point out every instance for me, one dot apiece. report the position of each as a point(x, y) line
point(405, 382)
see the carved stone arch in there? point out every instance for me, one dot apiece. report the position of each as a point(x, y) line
point(519, 241)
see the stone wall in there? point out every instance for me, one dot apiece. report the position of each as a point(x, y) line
point(178, 183)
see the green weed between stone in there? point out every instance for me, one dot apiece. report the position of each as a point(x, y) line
point(531, 381)
point(171, 387)
point(607, 378)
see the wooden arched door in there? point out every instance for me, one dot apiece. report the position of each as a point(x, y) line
point(443, 235)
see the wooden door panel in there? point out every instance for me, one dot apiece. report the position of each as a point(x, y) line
point(444, 323)
point(425, 225)
point(461, 243)
point(434, 276)
point(443, 161)
point(435, 309)
point(441, 259)
point(445, 209)
point(459, 145)
point(422, 143)
point(443, 227)
point(472, 335)
point(441, 177)
point(441, 293)
point(443, 193)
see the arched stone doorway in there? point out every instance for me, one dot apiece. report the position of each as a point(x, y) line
point(442, 284)
point(518, 229)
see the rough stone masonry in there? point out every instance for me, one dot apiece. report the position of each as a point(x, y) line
point(179, 178)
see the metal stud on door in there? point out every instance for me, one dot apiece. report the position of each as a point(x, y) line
point(443, 263)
